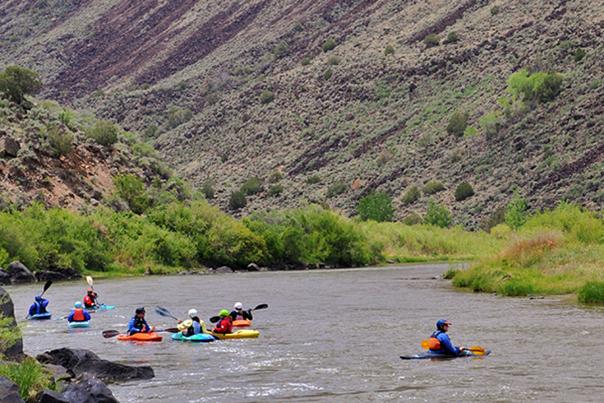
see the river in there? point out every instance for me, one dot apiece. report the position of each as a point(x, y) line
point(337, 335)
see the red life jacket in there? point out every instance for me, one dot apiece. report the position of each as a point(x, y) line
point(78, 315)
point(224, 326)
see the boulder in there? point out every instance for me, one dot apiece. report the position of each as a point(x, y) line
point(9, 391)
point(223, 269)
point(88, 390)
point(19, 273)
point(9, 147)
point(80, 361)
point(8, 311)
point(253, 267)
point(48, 396)
point(4, 278)
point(67, 274)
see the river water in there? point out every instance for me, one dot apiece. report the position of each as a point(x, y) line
point(337, 335)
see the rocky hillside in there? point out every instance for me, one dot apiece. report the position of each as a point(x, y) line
point(327, 101)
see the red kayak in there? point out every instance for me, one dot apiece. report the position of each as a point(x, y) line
point(242, 323)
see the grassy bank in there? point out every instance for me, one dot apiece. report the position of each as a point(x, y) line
point(555, 252)
point(30, 377)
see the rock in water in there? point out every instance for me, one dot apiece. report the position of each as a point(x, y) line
point(20, 273)
point(9, 392)
point(80, 361)
point(7, 310)
point(88, 390)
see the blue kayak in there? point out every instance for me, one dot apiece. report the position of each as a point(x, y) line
point(40, 316)
point(78, 325)
point(101, 308)
point(196, 338)
point(430, 355)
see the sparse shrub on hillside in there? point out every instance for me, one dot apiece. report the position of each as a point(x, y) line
point(376, 206)
point(457, 123)
point(16, 82)
point(151, 131)
point(131, 189)
point(495, 10)
point(411, 195)
point(328, 45)
point(281, 50)
point(103, 132)
point(61, 141)
point(413, 219)
point(327, 74)
point(237, 200)
point(67, 117)
point(579, 54)
point(433, 186)
point(490, 123)
point(431, 40)
point(388, 50)
point(336, 188)
point(452, 37)
point(275, 190)
point(313, 179)
point(463, 191)
point(266, 97)
point(333, 60)
point(252, 186)
point(536, 87)
point(208, 189)
point(501, 231)
point(495, 218)
point(437, 215)
point(306, 61)
point(516, 212)
point(275, 177)
point(178, 116)
point(470, 131)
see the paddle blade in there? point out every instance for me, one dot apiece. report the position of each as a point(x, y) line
point(110, 333)
point(164, 312)
point(171, 330)
point(46, 286)
point(89, 280)
point(214, 319)
point(261, 306)
point(478, 350)
point(425, 344)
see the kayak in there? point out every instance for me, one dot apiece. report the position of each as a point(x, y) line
point(40, 316)
point(140, 337)
point(239, 334)
point(430, 355)
point(102, 307)
point(77, 325)
point(196, 338)
point(242, 323)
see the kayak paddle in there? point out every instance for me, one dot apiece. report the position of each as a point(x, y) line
point(478, 350)
point(112, 333)
point(164, 312)
point(215, 319)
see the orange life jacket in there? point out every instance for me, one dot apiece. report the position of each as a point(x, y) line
point(78, 315)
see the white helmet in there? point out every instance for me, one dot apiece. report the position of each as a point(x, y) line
point(192, 313)
point(238, 305)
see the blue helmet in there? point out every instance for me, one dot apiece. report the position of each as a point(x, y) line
point(441, 324)
point(77, 304)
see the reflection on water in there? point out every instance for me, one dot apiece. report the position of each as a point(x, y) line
point(337, 335)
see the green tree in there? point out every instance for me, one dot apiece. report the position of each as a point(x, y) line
point(16, 82)
point(237, 200)
point(516, 212)
point(132, 190)
point(376, 206)
point(463, 191)
point(437, 214)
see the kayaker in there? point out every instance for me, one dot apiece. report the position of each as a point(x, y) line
point(90, 300)
point(440, 343)
point(78, 314)
point(225, 325)
point(239, 313)
point(138, 324)
point(192, 326)
point(39, 306)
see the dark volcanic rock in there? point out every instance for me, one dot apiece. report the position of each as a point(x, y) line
point(223, 269)
point(9, 147)
point(9, 392)
point(7, 310)
point(67, 274)
point(19, 273)
point(48, 396)
point(88, 390)
point(4, 278)
point(80, 361)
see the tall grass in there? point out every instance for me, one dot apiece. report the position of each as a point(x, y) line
point(30, 377)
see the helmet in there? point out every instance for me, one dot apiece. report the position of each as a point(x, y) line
point(238, 306)
point(90, 290)
point(441, 324)
point(192, 313)
point(140, 310)
point(223, 313)
point(77, 304)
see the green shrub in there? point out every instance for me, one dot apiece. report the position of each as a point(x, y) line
point(208, 189)
point(275, 177)
point(252, 186)
point(501, 231)
point(266, 97)
point(470, 132)
point(237, 200)
point(333, 60)
point(103, 132)
point(328, 45)
point(281, 50)
point(132, 190)
point(388, 50)
point(17, 82)
point(536, 87)
point(412, 219)
point(327, 74)
point(437, 215)
point(336, 189)
point(30, 377)
point(313, 179)
point(376, 206)
point(452, 37)
point(433, 186)
point(431, 40)
point(517, 288)
point(463, 191)
point(579, 54)
point(275, 190)
point(61, 141)
point(457, 123)
point(450, 273)
point(516, 212)
point(592, 293)
point(495, 10)
point(490, 123)
point(306, 61)
point(178, 116)
point(412, 194)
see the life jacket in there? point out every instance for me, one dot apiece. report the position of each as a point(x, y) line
point(434, 343)
point(78, 315)
point(225, 325)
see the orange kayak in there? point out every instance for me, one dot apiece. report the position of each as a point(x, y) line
point(242, 323)
point(140, 337)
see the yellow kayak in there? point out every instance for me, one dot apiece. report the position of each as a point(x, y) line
point(239, 334)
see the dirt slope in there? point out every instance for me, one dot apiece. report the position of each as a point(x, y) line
point(370, 114)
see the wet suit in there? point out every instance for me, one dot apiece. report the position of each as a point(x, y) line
point(38, 307)
point(138, 325)
point(446, 347)
point(239, 315)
